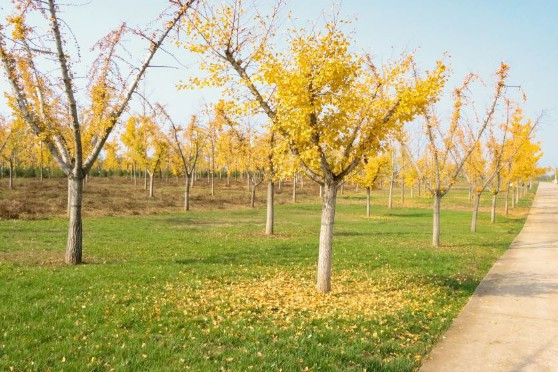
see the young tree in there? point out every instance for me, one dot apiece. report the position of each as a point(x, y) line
point(46, 109)
point(334, 107)
point(444, 157)
point(187, 143)
point(373, 168)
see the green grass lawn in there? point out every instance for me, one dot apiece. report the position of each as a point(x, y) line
point(208, 291)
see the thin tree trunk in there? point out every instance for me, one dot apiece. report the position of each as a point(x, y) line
point(41, 161)
point(187, 193)
point(11, 181)
point(74, 243)
point(228, 179)
point(470, 193)
point(412, 191)
point(368, 202)
point(151, 179)
point(145, 179)
point(513, 197)
point(294, 188)
point(436, 220)
point(475, 213)
point(323, 284)
point(419, 186)
point(253, 197)
point(517, 194)
point(390, 200)
point(270, 208)
point(506, 205)
point(493, 209)
point(402, 192)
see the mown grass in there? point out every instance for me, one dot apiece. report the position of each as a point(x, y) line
point(208, 291)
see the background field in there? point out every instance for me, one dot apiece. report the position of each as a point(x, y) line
point(165, 290)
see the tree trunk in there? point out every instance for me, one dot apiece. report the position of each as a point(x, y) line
point(187, 193)
point(475, 213)
point(270, 208)
point(253, 197)
point(513, 197)
point(145, 179)
point(368, 202)
point(294, 188)
point(11, 181)
point(41, 161)
point(402, 192)
point(323, 284)
point(493, 209)
point(412, 191)
point(151, 179)
point(74, 243)
point(321, 191)
point(506, 205)
point(228, 179)
point(436, 220)
point(419, 186)
point(390, 200)
point(517, 194)
point(470, 193)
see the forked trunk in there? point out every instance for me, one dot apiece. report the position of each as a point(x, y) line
point(436, 219)
point(475, 213)
point(73, 254)
point(270, 208)
point(323, 284)
point(493, 209)
point(187, 193)
point(368, 202)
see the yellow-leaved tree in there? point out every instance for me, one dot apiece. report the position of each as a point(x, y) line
point(334, 107)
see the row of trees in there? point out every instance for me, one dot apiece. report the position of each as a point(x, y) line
point(314, 107)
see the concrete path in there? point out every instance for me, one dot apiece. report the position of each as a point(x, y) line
point(511, 321)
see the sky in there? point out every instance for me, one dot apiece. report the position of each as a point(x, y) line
point(475, 34)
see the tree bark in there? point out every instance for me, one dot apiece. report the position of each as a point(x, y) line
point(436, 220)
point(145, 179)
point(151, 179)
point(390, 200)
point(402, 192)
point(506, 206)
point(294, 188)
point(368, 202)
point(253, 197)
point(493, 209)
point(187, 193)
point(323, 284)
point(73, 254)
point(11, 181)
point(321, 191)
point(270, 208)
point(475, 213)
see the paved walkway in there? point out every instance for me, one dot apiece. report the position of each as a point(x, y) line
point(511, 321)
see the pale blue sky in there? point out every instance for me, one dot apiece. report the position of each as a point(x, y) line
point(477, 34)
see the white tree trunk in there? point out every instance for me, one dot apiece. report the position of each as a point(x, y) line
point(323, 284)
point(436, 220)
point(187, 193)
point(151, 180)
point(493, 209)
point(506, 206)
point(368, 202)
point(294, 188)
point(390, 200)
point(74, 243)
point(11, 181)
point(270, 208)
point(475, 213)
point(402, 192)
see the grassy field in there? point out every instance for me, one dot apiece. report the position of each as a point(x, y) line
point(165, 290)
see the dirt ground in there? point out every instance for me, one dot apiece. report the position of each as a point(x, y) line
point(110, 196)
